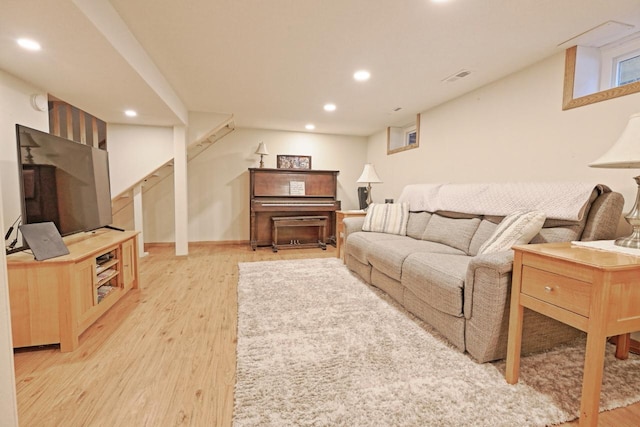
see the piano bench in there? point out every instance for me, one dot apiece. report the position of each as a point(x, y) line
point(278, 222)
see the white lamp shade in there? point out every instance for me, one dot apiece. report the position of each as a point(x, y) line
point(26, 140)
point(625, 153)
point(262, 149)
point(369, 174)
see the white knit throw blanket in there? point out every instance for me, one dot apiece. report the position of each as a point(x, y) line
point(558, 200)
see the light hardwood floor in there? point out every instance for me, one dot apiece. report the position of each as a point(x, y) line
point(165, 354)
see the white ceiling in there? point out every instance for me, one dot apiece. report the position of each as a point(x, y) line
point(274, 63)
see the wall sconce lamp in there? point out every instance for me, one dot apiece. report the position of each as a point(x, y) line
point(262, 150)
point(625, 153)
point(369, 176)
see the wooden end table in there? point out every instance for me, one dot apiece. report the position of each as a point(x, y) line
point(592, 290)
point(340, 216)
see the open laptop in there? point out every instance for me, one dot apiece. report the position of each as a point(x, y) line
point(44, 240)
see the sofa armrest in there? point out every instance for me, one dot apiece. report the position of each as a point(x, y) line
point(487, 307)
point(502, 261)
point(604, 217)
point(352, 224)
point(487, 292)
point(484, 275)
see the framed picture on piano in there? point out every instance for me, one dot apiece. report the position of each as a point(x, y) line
point(293, 162)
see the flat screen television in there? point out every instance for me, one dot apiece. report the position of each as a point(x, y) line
point(63, 181)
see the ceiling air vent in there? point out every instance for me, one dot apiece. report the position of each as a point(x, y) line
point(457, 76)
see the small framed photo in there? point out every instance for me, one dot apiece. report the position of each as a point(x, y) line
point(293, 162)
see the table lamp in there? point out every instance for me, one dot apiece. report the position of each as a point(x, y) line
point(625, 153)
point(262, 150)
point(27, 141)
point(369, 176)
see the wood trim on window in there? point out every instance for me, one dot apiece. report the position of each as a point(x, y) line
point(569, 102)
point(404, 147)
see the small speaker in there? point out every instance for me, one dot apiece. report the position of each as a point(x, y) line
point(362, 197)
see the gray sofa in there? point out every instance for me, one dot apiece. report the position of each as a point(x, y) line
point(436, 273)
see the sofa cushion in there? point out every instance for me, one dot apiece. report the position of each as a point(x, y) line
point(388, 256)
point(437, 279)
point(555, 230)
point(387, 218)
point(417, 223)
point(482, 234)
point(454, 232)
point(517, 228)
point(359, 243)
point(558, 230)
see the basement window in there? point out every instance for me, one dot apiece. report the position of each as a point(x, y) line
point(594, 74)
point(620, 63)
point(628, 69)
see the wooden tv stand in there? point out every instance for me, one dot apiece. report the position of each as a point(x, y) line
point(55, 300)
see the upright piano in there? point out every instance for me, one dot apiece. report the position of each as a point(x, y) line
point(291, 192)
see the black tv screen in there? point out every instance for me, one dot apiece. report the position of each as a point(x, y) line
point(63, 181)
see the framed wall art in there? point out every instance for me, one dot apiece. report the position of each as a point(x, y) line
point(285, 161)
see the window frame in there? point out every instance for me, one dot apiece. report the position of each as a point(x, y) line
point(618, 62)
point(611, 57)
point(569, 102)
point(398, 137)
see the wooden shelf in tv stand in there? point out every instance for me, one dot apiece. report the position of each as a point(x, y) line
point(56, 300)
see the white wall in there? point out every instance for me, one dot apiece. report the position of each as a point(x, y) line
point(8, 400)
point(134, 151)
point(201, 124)
point(587, 72)
point(15, 107)
point(218, 181)
point(511, 130)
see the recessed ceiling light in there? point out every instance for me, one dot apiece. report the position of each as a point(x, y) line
point(130, 113)
point(361, 75)
point(310, 126)
point(329, 107)
point(29, 44)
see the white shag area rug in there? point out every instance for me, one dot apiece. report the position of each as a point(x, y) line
point(318, 347)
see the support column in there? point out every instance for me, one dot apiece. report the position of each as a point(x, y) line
point(138, 220)
point(180, 189)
